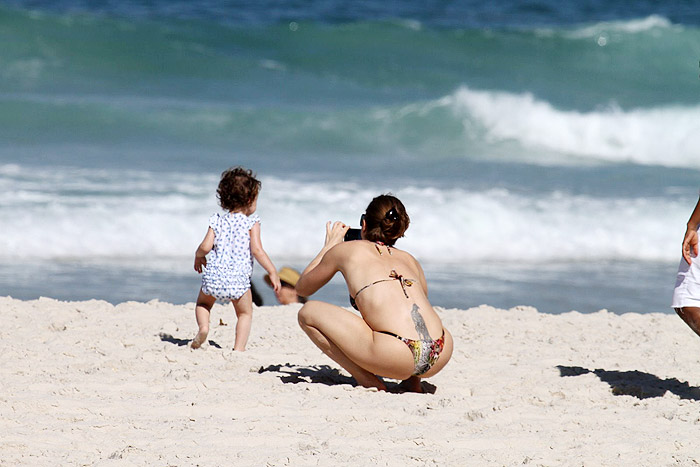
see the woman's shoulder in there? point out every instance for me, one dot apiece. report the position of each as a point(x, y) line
point(365, 250)
point(404, 252)
point(371, 247)
point(347, 247)
point(350, 251)
point(408, 259)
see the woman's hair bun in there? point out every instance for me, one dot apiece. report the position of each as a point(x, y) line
point(392, 214)
point(386, 219)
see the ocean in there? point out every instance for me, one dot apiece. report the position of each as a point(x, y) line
point(547, 153)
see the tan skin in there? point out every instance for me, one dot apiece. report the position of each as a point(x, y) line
point(352, 341)
point(287, 294)
point(689, 249)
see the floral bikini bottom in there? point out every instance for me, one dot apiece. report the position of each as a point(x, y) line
point(425, 352)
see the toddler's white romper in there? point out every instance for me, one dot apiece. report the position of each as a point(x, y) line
point(227, 274)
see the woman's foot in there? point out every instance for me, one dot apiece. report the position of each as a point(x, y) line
point(370, 381)
point(411, 384)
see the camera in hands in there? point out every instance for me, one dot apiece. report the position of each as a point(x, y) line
point(353, 234)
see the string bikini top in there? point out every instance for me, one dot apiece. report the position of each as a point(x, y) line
point(393, 276)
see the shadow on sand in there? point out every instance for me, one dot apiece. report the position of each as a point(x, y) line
point(636, 383)
point(324, 374)
point(182, 342)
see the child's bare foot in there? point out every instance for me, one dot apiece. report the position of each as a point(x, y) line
point(371, 381)
point(199, 340)
point(411, 384)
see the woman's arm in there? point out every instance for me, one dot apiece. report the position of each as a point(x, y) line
point(690, 240)
point(326, 263)
point(200, 256)
point(261, 257)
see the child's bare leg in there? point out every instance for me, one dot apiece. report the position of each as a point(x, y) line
point(244, 313)
point(202, 312)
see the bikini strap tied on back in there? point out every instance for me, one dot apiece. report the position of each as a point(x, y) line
point(404, 282)
point(393, 275)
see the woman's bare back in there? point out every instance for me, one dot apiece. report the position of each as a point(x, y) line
point(388, 286)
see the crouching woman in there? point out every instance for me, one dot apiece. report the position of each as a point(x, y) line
point(398, 334)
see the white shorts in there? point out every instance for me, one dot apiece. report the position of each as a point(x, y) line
point(687, 291)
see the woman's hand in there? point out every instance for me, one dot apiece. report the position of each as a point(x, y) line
point(335, 233)
point(324, 266)
point(690, 245)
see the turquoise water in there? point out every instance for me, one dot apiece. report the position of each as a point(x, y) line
point(547, 155)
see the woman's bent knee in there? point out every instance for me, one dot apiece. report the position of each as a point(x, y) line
point(308, 312)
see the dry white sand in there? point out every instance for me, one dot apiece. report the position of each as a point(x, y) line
point(88, 383)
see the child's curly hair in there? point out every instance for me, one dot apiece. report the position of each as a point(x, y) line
point(238, 188)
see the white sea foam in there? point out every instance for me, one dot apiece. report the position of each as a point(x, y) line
point(658, 136)
point(130, 215)
point(631, 26)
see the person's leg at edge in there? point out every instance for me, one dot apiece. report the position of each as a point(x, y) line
point(244, 313)
point(691, 316)
point(333, 329)
point(202, 312)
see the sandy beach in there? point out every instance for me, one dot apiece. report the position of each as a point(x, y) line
point(89, 383)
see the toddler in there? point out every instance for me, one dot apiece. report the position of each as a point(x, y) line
point(234, 238)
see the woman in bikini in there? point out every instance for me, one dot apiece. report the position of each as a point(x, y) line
point(398, 335)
